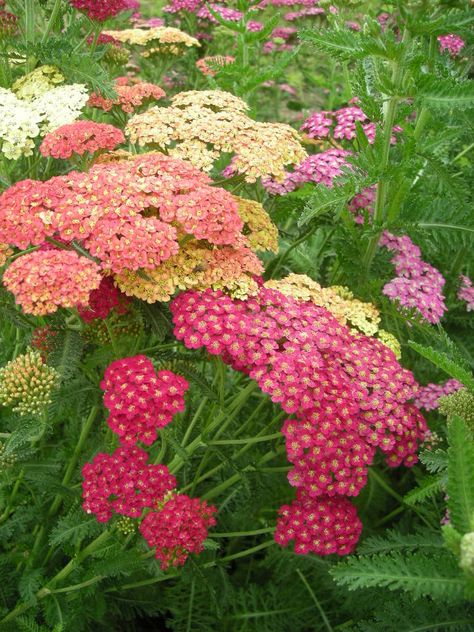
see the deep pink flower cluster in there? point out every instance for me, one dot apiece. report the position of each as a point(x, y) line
point(318, 168)
point(452, 43)
point(418, 285)
point(178, 529)
point(101, 10)
point(139, 400)
point(79, 138)
point(123, 482)
point(190, 6)
point(341, 124)
point(348, 393)
point(102, 301)
point(322, 526)
point(280, 39)
point(428, 396)
point(363, 201)
point(287, 3)
point(466, 292)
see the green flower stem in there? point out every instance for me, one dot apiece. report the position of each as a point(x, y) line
point(242, 534)
point(48, 590)
point(86, 428)
point(195, 418)
point(327, 624)
point(240, 554)
point(215, 491)
point(11, 500)
point(30, 19)
point(246, 441)
point(52, 20)
point(113, 340)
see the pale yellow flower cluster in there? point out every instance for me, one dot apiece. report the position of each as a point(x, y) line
point(196, 266)
point(26, 383)
point(35, 106)
point(201, 125)
point(162, 40)
point(259, 229)
point(37, 82)
point(360, 317)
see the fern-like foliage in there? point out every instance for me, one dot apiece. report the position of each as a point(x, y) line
point(460, 486)
point(436, 575)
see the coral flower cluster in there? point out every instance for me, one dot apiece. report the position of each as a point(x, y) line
point(131, 94)
point(209, 65)
point(79, 138)
point(42, 281)
point(347, 392)
point(340, 124)
point(199, 126)
point(131, 214)
point(27, 383)
point(156, 40)
point(418, 285)
point(139, 400)
point(125, 483)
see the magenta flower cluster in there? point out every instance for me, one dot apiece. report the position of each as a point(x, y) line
point(466, 292)
point(418, 285)
point(348, 394)
point(428, 396)
point(451, 43)
point(341, 124)
point(318, 168)
point(140, 400)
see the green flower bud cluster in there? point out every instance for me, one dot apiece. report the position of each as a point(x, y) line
point(6, 460)
point(460, 404)
point(117, 56)
point(26, 383)
point(126, 525)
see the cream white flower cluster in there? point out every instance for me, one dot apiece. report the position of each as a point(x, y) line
point(35, 106)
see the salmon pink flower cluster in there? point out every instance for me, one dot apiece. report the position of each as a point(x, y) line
point(451, 43)
point(341, 124)
point(42, 281)
point(103, 301)
point(178, 529)
point(131, 94)
point(348, 393)
point(418, 285)
point(79, 138)
point(123, 482)
point(139, 400)
point(128, 213)
point(325, 527)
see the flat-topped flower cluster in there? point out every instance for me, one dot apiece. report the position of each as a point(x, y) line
point(346, 392)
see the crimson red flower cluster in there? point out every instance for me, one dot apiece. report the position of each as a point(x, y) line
point(178, 529)
point(123, 482)
point(139, 400)
point(347, 391)
point(103, 300)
